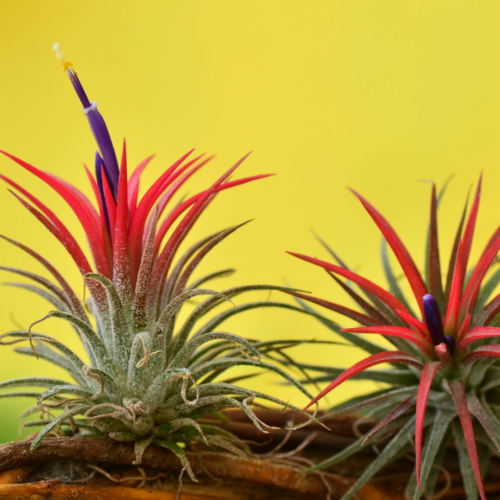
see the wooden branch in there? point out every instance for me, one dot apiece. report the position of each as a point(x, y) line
point(219, 465)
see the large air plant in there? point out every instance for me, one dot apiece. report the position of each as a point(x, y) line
point(149, 376)
point(444, 379)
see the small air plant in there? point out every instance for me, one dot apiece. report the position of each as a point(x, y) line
point(445, 359)
point(149, 376)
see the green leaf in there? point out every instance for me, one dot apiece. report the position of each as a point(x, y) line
point(435, 470)
point(103, 359)
point(32, 382)
point(392, 281)
point(41, 280)
point(155, 395)
point(225, 363)
point(164, 328)
point(77, 410)
point(42, 293)
point(182, 357)
point(363, 402)
point(486, 290)
point(65, 389)
point(354, 339)
point(207, 305)
point(179, 452)
point(56, 359)
point(464, 461)
point(122, 333)
point(436, 437)
point(218, 274)
point(398, 442)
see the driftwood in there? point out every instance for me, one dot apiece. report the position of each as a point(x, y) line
point(221, 476)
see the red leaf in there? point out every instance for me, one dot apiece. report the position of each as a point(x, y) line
point(402, 254)
point(490, 310)
point(345, 311)
point(478, 333)
point(168, 253)
point(142, 212)
point(457, 390)
point(469, 228)
point(95, 242)
point(430, 369)
point(69, 243)
point(374, 359)
point(120, 246)
point(472, 289)
point(379, 292)
point(104, 225)
point(178, 210)
point(395, 331)
point(463, 328)
point(418, 325)
point(133, 185)
point(450, 323)
point(486, 351)
point(454, 250)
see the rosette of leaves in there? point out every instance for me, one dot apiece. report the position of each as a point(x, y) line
point(149, 375)
point(442, 380)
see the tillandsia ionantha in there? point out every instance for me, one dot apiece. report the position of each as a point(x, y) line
point(445, 357)
point(150, 376)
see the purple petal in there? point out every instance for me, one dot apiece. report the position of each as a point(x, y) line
point(100, 132)
point(98, 176)
point(433, 319)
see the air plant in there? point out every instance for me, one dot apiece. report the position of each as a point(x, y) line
point(149, 376)
point(443, 378)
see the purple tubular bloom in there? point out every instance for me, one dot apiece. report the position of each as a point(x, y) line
point(98, 175)
point(450, 342)
point(100, 132)
point(433, 319)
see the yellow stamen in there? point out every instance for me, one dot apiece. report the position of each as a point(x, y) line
point(66, 65)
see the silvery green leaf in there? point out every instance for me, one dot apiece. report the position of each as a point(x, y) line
point(165, 324)
point(436, 436)
point(122, 333)
point(103, 359)
point(56, 359)
point(181, 455)
point(397, 443)
point(32, 382)
point(183, 356)
point(42, 293)
point(65, 389)
point(218, 274)
point(463, 458)
point(225, 363)
point(77, 410)
point(155, 393)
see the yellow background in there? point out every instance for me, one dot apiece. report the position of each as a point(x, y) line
point(376, 95)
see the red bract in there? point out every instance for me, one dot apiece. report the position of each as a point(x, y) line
point(443, 340)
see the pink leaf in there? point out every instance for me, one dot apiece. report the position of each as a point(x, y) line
point(379, 292)
point(345, 311)
point(430, 369)
point(472, 289)
point(402, 254)
point(450, 323)
point(374, 359)
point(486, 351)
point(478, 333)
point(469, 229)
point(418, 325)
point(395, 331)
point(457, 390)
